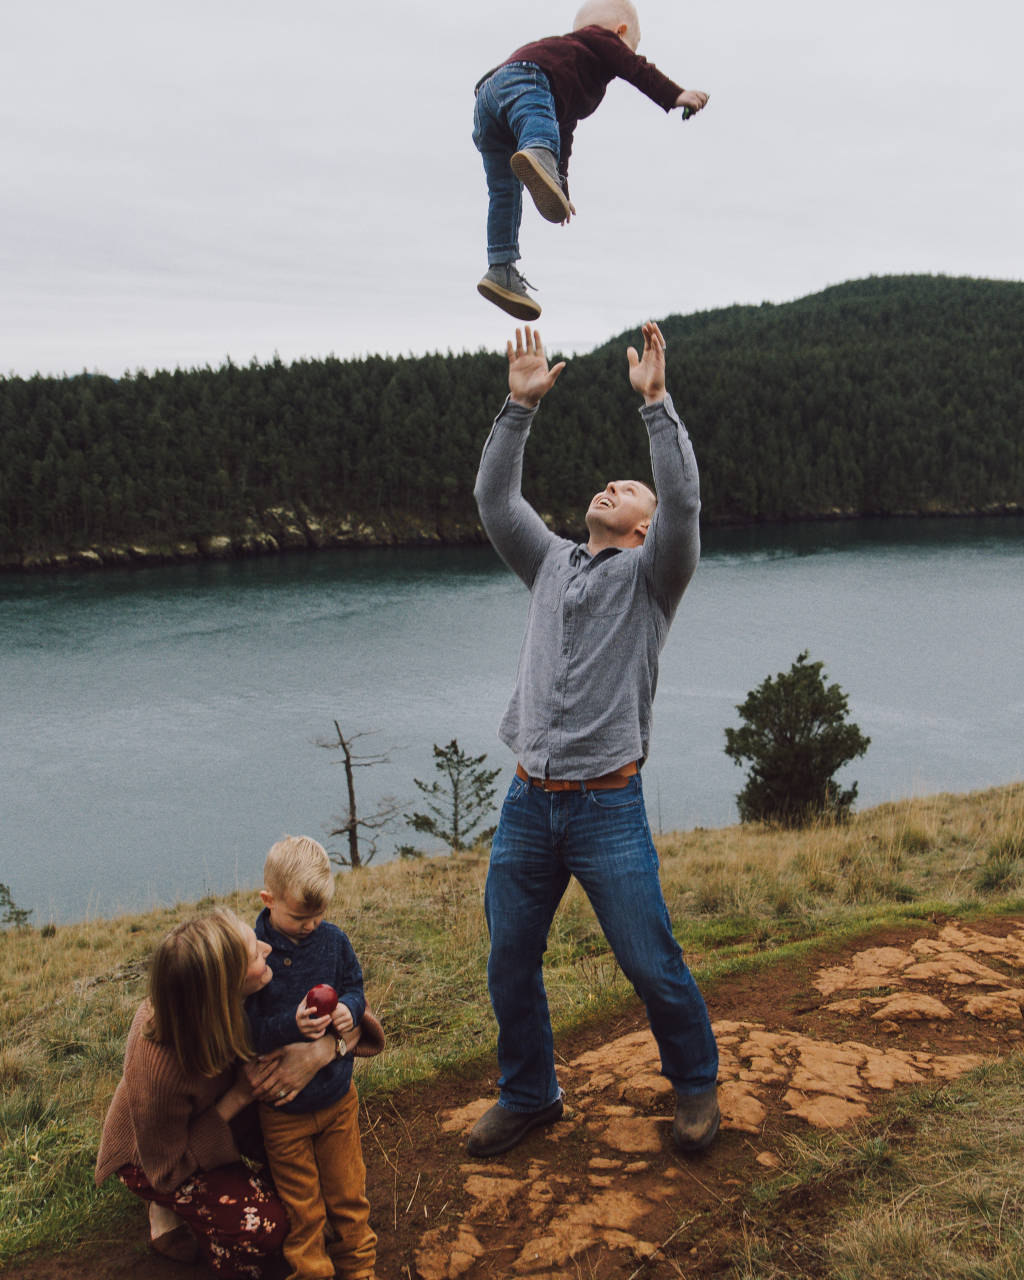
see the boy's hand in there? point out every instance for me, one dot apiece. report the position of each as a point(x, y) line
point(342, 1018)
point(308, 1023)
point(695, 99)
point(529, 378)
point(570, 215)
point(647, 373)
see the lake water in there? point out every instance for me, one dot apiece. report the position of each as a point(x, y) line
point(158, 727)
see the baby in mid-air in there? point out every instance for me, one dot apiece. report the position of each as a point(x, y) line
point(526, 112)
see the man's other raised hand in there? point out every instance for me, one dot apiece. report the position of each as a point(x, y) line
point(529, 378)
point(647, 372)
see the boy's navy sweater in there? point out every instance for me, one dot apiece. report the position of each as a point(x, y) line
point(325, 956)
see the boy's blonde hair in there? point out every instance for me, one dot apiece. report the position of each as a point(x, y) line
point(196, 977)
point(607, 13)
point(299, 866)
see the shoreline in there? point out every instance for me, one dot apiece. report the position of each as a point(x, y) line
point(282, 531)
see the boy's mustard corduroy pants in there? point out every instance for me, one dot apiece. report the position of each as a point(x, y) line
point(318, 1169)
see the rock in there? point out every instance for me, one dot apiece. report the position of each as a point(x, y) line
point(647, 1090)
point(437, 1260)
point(741, 1108)
point(463, 1118)
point(493, 1196)
point(874, 967)
point(952, 1066)
point(215, 547)
point(912, 1008)
point(634, 1134)
point(151, 552)
point(1004, 1007)
point(114, 555)
point(824, 1111)
point(955, 968)
point(87, 559)
point(286, 527)
point(254, 542)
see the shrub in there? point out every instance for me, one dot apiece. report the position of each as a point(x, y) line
point(796, 735)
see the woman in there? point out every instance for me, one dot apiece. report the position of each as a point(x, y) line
point(174, 1133)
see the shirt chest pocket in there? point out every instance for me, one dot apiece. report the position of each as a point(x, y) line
point(547, 592)
point(611, 587)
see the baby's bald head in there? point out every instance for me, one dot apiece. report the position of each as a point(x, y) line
point(613, 15)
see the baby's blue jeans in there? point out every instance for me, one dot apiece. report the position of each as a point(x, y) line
point(514, 110)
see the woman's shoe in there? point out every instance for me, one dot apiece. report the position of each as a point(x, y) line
point(180, 1244)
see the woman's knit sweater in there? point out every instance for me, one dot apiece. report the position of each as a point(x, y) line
point(162, 1120)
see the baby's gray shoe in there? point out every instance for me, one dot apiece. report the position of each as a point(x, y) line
point(536, 169)
point(506, 288)
point(696, 1120)
point(499, 1129)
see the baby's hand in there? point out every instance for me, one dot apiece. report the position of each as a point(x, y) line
point(309, 1024)
point(693, 99)
point(342, 1018)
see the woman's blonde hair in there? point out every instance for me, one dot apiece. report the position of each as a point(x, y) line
point(195, 990)
point(299, 867)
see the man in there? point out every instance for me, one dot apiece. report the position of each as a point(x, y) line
point(579, 722)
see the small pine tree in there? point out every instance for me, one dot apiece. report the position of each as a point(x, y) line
point(12, 913)
point(796, 735)
point(459, 801)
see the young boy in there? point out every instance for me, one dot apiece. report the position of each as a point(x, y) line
point(312, 1140)
point(526, 112)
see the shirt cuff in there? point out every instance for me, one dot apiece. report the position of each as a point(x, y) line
point(661, 416)
point(517, 416)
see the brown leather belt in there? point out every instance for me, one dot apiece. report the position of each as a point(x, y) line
point(607, 781)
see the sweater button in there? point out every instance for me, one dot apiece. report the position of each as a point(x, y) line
point(287, 961)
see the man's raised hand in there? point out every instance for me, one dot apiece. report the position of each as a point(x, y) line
point(529, 378)
point(647, 372)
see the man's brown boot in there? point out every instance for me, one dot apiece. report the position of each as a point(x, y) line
point(696, 1121)
point(499, 1129)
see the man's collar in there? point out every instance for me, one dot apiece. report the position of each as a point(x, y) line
point(580, 553)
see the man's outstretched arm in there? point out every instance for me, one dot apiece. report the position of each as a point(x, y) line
point(516, 531)
point(672, 546)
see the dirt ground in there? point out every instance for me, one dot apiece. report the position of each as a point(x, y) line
point(815, 1043)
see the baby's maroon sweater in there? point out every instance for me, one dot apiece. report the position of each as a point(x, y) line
point(579, 67)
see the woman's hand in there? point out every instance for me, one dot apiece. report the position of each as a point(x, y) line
point(237, 1097)
point(277, 1077)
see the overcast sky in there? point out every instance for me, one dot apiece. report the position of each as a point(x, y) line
point(191, 181)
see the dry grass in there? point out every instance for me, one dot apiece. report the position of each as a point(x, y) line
point(68, 995)
point(932, 1191)
point(941, 849)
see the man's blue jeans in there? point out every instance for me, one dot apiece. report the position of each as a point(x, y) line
point(514, 109)
point(602, 838)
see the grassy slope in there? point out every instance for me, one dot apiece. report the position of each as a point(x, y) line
point(741, 896)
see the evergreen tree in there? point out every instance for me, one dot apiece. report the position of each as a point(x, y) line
point(458, 801)
point(12, 913)
point(796, 735)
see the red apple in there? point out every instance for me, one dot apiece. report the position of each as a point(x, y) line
point(322, 999)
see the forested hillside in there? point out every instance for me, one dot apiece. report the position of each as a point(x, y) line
point(880, 396)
